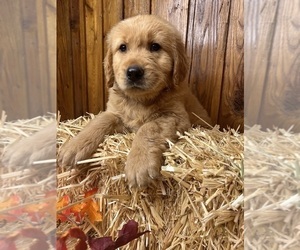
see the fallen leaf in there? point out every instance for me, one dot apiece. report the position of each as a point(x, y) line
point(63, 215)
point(93, 212)
point(103, 243)
point(77, 233)
point(61, 243)
point(64, 201)
point(39, 244)
point(128, 233)
point(7, 244)
point(35, 233)
point(79, 210)
point(12, 200)
point(74, 233)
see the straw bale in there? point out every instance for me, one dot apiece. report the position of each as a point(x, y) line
point(198, 203)
point(272, 196)
point(18, 178)
point(29, 182)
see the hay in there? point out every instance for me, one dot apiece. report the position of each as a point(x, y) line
point(15, 178)
point(272, 189)
point(28, 182)
point(198, 204)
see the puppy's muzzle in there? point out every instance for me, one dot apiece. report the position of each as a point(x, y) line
point(134, 75)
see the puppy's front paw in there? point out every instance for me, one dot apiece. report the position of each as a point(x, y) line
point(39, 146)
point(75, 150)
point(142, 167)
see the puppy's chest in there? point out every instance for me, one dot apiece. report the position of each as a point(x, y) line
point(134, 117)
point(132, 113)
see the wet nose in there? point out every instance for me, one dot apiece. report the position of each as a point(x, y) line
point(135, 73)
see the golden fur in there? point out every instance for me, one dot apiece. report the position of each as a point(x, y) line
point(155, 102)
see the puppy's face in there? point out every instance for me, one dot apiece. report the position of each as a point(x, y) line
point(145, 56)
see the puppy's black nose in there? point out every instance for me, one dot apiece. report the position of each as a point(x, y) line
point(135, 73)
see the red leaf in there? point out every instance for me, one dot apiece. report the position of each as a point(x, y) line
point(40, 244)
point(34, 233)
point(103, 243)
point(128, 233)
point(7, 244)
point(131, 227)
point(62, 217)
point(61, 243)
point(77, 233)
point(81, 245)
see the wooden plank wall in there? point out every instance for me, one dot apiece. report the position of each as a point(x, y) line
point(212, 31)
point(27, 58)
point(272, 65)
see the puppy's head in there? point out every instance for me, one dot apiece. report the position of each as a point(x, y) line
point(145, 56)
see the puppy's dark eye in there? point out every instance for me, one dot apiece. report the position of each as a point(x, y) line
point(155, 47)
point(123, 47)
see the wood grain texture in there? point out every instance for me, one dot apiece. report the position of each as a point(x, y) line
point(13, 84)
point(260, 20)
point(136, 7)
point(34, 57)
point(42, 56)
point(94, 55)
point(65, 84)
point(175, 12)
point(25, 58)
point(113, 12)
point(231, 113)
point(78, 55)
point(206, 47)
point(281, 101)
point(51, 30)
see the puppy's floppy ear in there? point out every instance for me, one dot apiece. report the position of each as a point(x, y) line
point(180, 68)
point(108, 68)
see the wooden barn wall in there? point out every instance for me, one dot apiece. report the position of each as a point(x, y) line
point(212, 31)
point(272, 63)
point(27, 58)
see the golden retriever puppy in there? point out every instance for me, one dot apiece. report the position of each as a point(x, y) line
point(145, 69)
